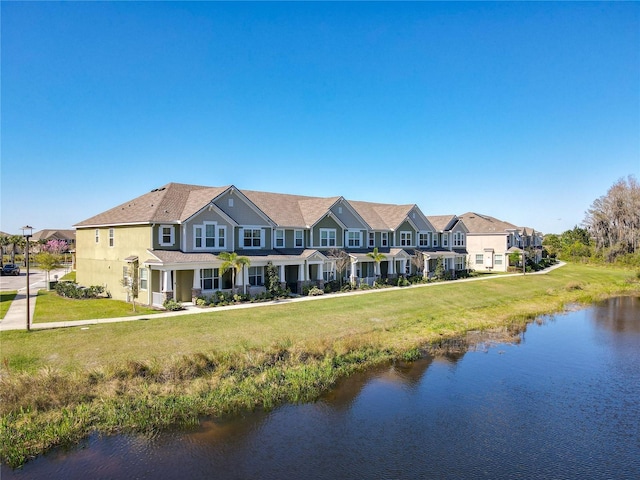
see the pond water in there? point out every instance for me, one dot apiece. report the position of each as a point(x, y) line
point(561, 402)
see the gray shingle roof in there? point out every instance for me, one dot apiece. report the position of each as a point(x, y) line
point(171, 203)
point(478, 223)
point(382, 216)
point(441, 222)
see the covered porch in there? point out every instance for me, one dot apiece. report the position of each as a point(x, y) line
point(365, 270)
point(184, 277)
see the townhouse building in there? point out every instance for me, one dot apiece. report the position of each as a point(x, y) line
point(491, 241)
point(173, 235)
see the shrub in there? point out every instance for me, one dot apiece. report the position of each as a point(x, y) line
point(73, 290)
point(332, 286)
point(403, 282)
point(172, 305)
point(315, 291)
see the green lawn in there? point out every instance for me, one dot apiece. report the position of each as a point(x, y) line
point(392, 317)
point(50, 307)
point(5, 301)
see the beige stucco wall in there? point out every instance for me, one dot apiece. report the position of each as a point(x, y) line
point(97, 263)
point(479, 244)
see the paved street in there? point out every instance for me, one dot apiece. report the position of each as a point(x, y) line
point(16, 317)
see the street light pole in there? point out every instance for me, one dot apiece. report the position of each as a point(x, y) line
point(26, 232)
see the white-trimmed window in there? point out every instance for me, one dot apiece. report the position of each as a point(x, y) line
point(423, 239)
point(385, 239)
point(209, 236)
point(445, 239)
point(354, 238)
point(435, 240)
point(252, 237)
point(479, 259)
point(405, 239)
point(279, 240)
point(298, 238)
point(144, 279)
point(97, 235)
point(209, 279)
point(459, 263)
point(112, 236)
point(256, 276)
point(458, 239)
point(166, 235)
point(372, 239)
point(327, 237)
point(497, 259)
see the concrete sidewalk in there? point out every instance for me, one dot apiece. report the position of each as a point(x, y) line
point(16, 317)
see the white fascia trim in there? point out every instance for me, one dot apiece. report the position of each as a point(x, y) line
point(336, 219)
point(346, 203)
point(252, 205)
point(129, 224)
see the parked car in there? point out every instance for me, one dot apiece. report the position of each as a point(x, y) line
point(10, 269)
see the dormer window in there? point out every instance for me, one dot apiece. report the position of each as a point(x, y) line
point(252, 237)
point(279, 239)
point(405, 239)
point(385, 239)
point(423, 239)
point(458, 239)
point(354, 238)
point(209, 236)
point(327, 237)
point(166, 235)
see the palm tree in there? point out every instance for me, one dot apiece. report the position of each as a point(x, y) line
point(377, 257)
point(16, 241)
point(4, 242)
point(231, 261)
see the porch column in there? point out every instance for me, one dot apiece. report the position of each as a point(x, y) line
point(166, 281)
point(392, 267)
point(283, 281)
point(320, 275)
point(403, 266)
point(167, 284)
point(352, 277)
point(302, 268)
point(195, 288)
point(240, 278)
point(425, 270)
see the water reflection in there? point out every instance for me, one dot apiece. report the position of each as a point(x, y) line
point(559, 401)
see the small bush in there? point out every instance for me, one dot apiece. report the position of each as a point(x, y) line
point(73, 290)
point(315, 291)
point(172, 305)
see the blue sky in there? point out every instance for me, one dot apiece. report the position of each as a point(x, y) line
point(524, 111)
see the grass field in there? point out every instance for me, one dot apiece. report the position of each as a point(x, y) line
point(5, 301)
point(50, 307)
point(58, 385)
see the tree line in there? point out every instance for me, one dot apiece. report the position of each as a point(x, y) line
point(610, 231)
